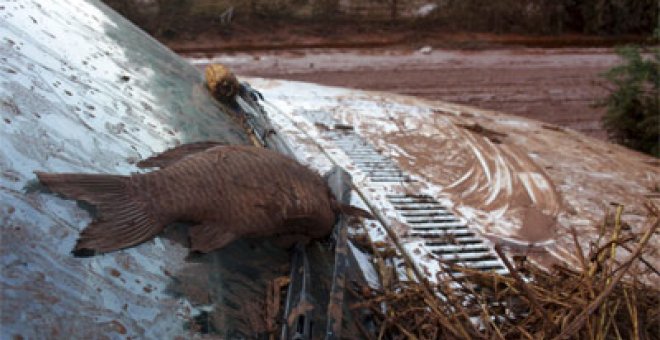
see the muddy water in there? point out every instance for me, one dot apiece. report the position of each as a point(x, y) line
point(557, 86)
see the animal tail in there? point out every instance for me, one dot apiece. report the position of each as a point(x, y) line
point(122, 219)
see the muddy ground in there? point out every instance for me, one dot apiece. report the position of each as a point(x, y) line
point(557, 86)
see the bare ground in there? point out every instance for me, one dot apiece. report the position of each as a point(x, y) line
point(557, 86)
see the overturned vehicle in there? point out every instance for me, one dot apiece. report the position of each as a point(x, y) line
point(83, 91)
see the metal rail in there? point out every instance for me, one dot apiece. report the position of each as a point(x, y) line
point(447, 236)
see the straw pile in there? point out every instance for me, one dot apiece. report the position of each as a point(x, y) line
point(600, 299)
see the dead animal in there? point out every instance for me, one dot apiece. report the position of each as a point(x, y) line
point(222, 82)
point(226, 192)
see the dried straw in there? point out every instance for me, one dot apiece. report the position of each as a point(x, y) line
point(601, 299)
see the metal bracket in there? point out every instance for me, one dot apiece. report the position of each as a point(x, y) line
point(300, 306)
point(340, 184)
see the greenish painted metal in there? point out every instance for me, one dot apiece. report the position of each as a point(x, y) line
point(84, 90)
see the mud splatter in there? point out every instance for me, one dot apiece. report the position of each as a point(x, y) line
point(527, 192)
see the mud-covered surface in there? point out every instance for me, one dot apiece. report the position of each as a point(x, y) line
point(557, 86)
point(522, 183)
point(81, 90)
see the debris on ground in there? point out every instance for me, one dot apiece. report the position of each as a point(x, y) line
point(494, 136)
point(602, 299)
point(426, 50)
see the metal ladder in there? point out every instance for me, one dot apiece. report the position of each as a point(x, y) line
point(444, 234)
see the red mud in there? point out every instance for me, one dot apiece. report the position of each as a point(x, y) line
point(524, 183)
point(557, 86)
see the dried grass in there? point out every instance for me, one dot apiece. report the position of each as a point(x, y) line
point(601, 299)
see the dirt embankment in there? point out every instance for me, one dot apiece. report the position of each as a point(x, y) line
point(557, 86)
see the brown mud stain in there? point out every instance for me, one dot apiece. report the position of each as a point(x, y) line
point(119, 327)
point(494, 136)
point(536, 226)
